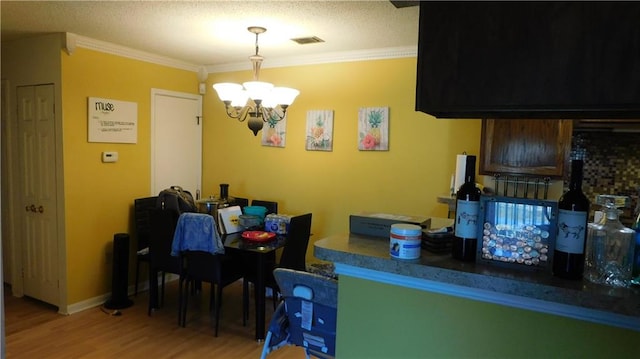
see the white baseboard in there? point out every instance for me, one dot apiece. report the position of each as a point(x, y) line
point(99, 300)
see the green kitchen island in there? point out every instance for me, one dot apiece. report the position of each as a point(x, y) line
point(437, 307)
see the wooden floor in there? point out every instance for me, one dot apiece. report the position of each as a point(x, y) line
point(35, 330)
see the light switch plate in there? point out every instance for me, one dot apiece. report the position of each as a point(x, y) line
point(109, 157)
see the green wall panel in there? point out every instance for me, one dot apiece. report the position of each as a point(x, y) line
point(384, 321)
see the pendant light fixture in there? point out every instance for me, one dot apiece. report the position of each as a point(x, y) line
point(255, 101)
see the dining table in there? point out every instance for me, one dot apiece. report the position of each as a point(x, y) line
point(255, 256)
point(257, 253)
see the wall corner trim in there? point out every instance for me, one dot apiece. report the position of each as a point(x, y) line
point(70, 43)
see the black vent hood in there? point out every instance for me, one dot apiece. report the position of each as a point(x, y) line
point(570, 60)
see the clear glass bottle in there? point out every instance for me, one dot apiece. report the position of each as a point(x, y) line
point(635, 280)
point(610, 247)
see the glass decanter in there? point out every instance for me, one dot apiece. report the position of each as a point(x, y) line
point(610, 246)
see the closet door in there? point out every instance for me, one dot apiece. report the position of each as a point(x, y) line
point(39, 243)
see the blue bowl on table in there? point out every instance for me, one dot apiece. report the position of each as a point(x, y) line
point(259, 211)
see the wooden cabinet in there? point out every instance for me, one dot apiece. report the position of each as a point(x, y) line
point(506, 59)
point(533, 148)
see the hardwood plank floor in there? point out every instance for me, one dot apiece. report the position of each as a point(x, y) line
point(34, 330)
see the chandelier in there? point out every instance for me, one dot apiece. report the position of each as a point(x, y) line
point(255, 101)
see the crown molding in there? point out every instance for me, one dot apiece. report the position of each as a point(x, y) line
point(74, 41)
point(110, 48)
point(326, 58)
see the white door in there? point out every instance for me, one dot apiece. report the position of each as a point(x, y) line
point(39, 244)
point(176, 141)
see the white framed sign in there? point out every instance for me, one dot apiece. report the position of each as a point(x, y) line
point(112, 121)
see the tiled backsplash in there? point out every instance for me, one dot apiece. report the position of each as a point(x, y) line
point(612, 166)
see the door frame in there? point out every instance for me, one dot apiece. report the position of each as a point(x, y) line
point(7, 219)
point(160, 92)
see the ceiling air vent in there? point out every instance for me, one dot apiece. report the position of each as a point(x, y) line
point(307, 40)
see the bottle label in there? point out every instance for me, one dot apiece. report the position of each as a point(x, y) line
point(571, 231)
point(467, 219)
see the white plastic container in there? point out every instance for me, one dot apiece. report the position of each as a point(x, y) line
point(405, 240)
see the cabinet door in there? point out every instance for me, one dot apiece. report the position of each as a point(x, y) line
point(536, 148)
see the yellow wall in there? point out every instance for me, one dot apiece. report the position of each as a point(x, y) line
point(99, 196)
point(404, 180)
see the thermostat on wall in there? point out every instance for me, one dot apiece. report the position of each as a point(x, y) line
point(109, 156)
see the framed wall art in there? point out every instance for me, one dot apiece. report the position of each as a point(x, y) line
point(274, 132)
point(112, 121)
point(319, 130)
point(373, 129)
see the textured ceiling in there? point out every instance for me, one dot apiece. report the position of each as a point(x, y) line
point(215, 32)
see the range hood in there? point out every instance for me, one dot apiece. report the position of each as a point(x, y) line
point(566, 60)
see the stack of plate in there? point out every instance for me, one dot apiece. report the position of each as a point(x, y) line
point(437, 242)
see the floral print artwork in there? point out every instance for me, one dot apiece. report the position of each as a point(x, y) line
point(274, 132)
point(373, 129)
point(319, 130)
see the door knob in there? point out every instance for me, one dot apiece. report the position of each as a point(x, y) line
point(40, 209)
point(32, 208)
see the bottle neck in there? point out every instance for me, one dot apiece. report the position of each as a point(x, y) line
point(612, 214)
point(470, 170)
point(575, 183)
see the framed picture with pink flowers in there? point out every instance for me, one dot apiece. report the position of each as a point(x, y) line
point(319, 130)
point(274, 132)
point(373, 129)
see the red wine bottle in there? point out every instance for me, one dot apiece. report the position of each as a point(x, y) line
point(467, 210)
point(573, 210)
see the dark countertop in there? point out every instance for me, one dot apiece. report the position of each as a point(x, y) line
point(368, 258)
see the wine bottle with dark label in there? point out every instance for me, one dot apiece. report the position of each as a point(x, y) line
point(467, 210)
point(573, 209)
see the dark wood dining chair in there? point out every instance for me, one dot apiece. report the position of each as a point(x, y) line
point(272, 207)
point(219, 270)
point(294, 252)
point(293, 257)
point(163, 224)
point(141, 207)
point(240, 201)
